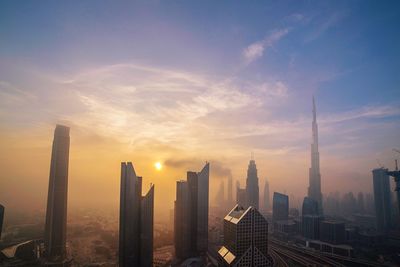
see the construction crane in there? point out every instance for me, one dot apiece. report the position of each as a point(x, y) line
point(396, 175)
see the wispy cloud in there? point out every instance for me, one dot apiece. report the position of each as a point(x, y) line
point(256, 50)
point(327, 23)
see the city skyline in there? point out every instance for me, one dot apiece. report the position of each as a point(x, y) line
point(243, 86)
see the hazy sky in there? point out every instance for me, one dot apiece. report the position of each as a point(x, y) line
point(184, 82)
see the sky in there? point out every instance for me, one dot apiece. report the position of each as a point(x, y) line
point(185, 82)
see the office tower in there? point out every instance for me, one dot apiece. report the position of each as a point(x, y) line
point(310, 207)
point(202, 209)
point(245, 238)
point(369, 204)
point(349, 204)
point(252, 191)
point(136, 220)
point(1, 218)
point(311, 226)
point(220, 197)
point(240, 195)
point(280, 207)
point(55, 234)
point(332, 232)
point(191, 214)
point(182, 220)
point(230, 193)
point(314, 189)
point(266, 196)
point(381, 184)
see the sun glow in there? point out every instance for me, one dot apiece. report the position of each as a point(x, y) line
point(158, 166)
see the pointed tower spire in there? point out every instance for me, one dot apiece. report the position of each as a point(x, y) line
point(314, 110)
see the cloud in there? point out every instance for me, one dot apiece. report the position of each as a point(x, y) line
point(256, 50)
point(327, 23)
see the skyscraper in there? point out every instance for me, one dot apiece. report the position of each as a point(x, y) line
point(230, 193)
point(135, 220)
point(280, 207)
point(182, 220)
point(240, 195)
point(55, 234)
point(191, 214)
point(1, 218)
point(266, 196)
point(310, 207)
point(252, 190)
point(220, 198)
point(245, 238)
point(382, 198)
point(314, 189)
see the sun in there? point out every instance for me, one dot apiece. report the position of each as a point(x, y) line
point(158, 166)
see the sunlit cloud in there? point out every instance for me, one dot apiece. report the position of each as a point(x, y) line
point(256, 50)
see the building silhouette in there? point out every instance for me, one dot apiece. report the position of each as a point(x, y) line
point(55, 234)
point(191, 214)
point(310, 207)
point(182, 220)
point(230, 193)
point(245, 238)
point(266, 196)
point(252, 190)
point(381, 183)
point(1, 218)
point(240, 195)
point(311, 226)
point(332, 232)
point(280, 207)
point(136, 220)
point(314, 189)
point(220, 197)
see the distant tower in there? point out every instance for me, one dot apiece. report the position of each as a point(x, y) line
point(310, 207)
point(382, 199)
point(280, 207)
point(55, 234)
point(360, 203)
point(230, 196)
point(191, 214)
point(240, 195)
point(314, 189)
point(220, 198)
point(245, 238)
point(1, 218)
point(252, 190)
point(266, 196)
point(136, 220)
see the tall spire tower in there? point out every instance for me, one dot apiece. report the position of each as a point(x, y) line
point(314, 189)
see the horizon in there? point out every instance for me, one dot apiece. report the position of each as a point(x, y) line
point(180, 84)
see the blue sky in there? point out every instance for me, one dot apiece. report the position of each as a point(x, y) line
point(210, 80)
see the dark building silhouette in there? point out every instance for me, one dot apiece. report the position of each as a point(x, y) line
point(266, 196)
point(55, 234)
point(191, 214)
point(314, 189)
point(280, 207)
point(360, 203)
point(240, 195)
point(230, 192)
point(136, 220)
point(245, 238)
point(310, 207)
point(182, 221)
point(332, 232)
point(382, 198)
point(311, 226)
point(1, 218)
point(252, 190)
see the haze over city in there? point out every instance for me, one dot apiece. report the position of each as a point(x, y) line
point(171, 85)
